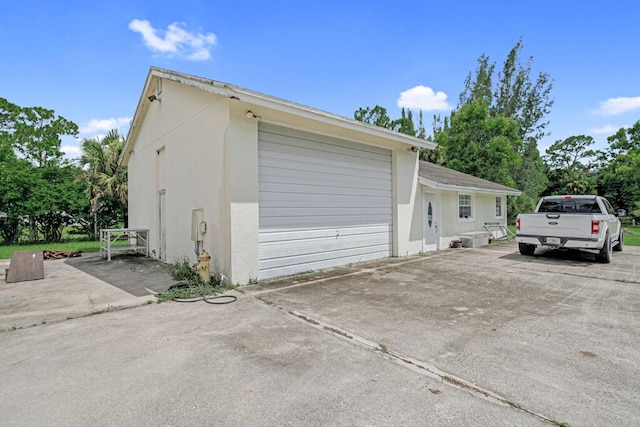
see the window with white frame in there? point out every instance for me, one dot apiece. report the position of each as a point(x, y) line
point(465, 206)
point(499, 213)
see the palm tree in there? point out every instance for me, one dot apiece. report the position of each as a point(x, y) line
point(107, 180)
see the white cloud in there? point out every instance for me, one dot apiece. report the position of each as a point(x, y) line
point(104, 125)
point(608, 129)
point(622, 104)
point(175, 40)
point(95, 128)
point(423, 98)
point(71, 150)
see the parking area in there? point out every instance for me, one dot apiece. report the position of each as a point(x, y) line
point(478, 336)
point(80, 286)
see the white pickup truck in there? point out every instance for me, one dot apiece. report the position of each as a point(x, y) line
point(586, 223)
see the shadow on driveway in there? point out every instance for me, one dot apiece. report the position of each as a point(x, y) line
point(136, 274)
point(562, 256)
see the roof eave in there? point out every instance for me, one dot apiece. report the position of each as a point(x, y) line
point(262, 100)
point(451, 187)
point(330, 119)
point(133, 127)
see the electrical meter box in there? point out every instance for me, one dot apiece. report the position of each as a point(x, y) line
point(198, 226)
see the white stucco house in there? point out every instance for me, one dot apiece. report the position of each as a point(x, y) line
point(457, 205)
point(271, 188)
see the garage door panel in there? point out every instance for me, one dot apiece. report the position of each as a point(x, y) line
point(288, 200)
point(363, 160)
point(323, 211)
point(289, 249)
point(327, 221)
point(307, 141)
point(279, 165)
point(278, 188)
point(284, 234)
point(323, 202)
point(266, 273)
point(331, 255)
point(343, 166)
point(275, 175)
point(278, 145)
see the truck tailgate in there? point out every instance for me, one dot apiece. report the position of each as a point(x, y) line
point(556, 224)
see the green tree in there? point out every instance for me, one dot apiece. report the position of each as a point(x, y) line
point(515, 95)
point(440, 126)
point(619, 174)
point(405, 123)
point(34, 132)
point(480, 145)
point(36, 183)
point(421, 131)
point(378, 116)
point(48, 196)
point(478, 86)
point(11, 193)
point(568, 166)
point(56, 201)
point(375, 116)
point(108, 185)
point(530, 177)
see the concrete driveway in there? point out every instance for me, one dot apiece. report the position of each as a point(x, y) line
point(468, 337)
point(80, 286)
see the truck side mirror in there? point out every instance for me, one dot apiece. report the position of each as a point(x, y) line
point(621, 212)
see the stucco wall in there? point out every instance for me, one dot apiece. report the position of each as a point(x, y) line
point(407, 231)
point(190, 126)
point(484, 211)
point(241, 175)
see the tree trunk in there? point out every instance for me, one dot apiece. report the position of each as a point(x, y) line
point(33, 230)
point(95, 225)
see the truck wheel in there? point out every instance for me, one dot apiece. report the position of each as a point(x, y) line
point(620, 245)
point(526, 249)
point(605, 253)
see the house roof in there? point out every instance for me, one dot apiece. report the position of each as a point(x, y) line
point(439, 177)
point(259, 100)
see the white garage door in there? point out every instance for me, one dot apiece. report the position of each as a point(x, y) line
point(324, 202)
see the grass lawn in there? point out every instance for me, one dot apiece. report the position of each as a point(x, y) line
point(632, 236)
point(73, 246)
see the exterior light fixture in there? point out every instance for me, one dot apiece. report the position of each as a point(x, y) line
point(251, 115)
point(153, 98)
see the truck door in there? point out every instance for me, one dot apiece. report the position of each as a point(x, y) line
point(612, 219)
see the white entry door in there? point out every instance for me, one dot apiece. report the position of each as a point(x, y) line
point(431, 222)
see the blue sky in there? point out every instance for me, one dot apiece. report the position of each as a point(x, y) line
point(88, 60)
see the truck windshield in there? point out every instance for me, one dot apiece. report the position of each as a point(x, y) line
point(570, 206)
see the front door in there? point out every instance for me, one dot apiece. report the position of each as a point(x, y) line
point(431, 222)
